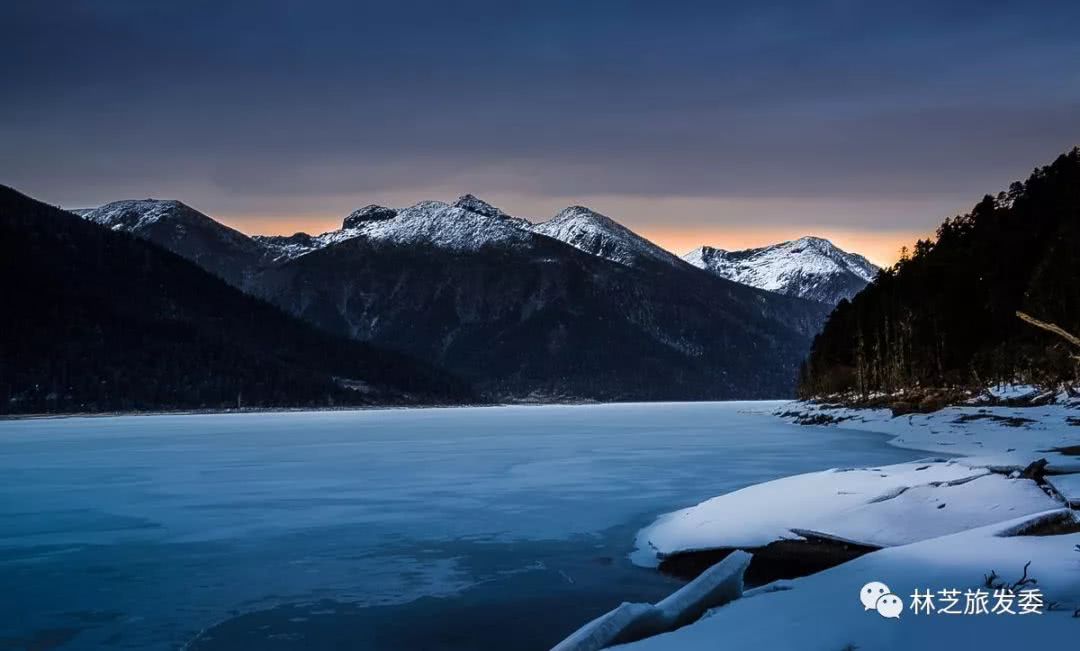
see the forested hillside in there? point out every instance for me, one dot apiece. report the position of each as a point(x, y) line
point(945, 314)
point(96, 320)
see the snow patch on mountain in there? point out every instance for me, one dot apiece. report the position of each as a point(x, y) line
point(468, 224)
point(165, 219)
point(602, 236)
point(809, 267)
point(445, 226)
point(134, 214)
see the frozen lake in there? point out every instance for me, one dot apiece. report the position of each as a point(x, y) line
point(479, 528)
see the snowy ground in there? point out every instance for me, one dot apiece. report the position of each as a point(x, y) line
point(943, 523)
point(992, 436)
point(884, 506)
point(824, 611)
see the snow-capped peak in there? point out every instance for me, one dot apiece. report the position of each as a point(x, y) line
point(167, 220)
point(809, 267)
point(601, 236)
point(137, 214)
point(853, 262)
point(469, 223)
point(434, 223)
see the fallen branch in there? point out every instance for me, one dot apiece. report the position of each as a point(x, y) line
point(994, 581)
point(1024, 580)
point(1051, 327)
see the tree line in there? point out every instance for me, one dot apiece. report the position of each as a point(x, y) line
point(946, 313)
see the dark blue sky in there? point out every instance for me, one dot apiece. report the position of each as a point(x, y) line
point(675, 117)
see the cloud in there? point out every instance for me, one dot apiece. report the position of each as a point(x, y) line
point(258, 106)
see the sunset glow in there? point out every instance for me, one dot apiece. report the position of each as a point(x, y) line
point(880, 247)
point(679, 224)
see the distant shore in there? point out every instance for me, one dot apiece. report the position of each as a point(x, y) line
point(261, 410)
point(252, 410)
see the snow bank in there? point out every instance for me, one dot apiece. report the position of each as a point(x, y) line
point(718, 585)
point(1013, 391)
point(886, 506)
point(823, 611)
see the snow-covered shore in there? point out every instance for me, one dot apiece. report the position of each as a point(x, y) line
point(940, 524)
point(823, 611)
point(993, 436)
point(878, 507)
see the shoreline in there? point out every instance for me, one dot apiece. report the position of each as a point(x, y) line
point(900, 431)
point(294, 410)
point(993, 448)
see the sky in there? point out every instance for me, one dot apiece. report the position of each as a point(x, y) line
point(727, 124)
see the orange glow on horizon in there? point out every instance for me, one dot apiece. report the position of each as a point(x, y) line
point(880, 247)
point(870, 227)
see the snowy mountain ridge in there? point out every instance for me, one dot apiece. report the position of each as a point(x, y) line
point(134, 214)
point(443, 225)
point(468, 224)
point(809, 267)
point(602, 236)
point(180, 228)
point(515, 309)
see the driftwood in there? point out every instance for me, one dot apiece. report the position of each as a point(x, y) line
point(993, 580)
point(1053, 328)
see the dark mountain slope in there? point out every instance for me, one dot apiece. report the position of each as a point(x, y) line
point(532, 317)
point(575, 308)
point(99, 320)
point(947, 314)
point(173, 225)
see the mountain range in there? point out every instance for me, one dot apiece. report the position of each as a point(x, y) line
point(98, 320)
point(575, 308)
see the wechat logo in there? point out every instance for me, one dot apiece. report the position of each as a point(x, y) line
point(877, 596)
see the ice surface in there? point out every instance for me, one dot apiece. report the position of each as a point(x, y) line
point(626, 621)
point(1068, 486)
point(716, 586)
point(720, 584)
point(159, 526)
